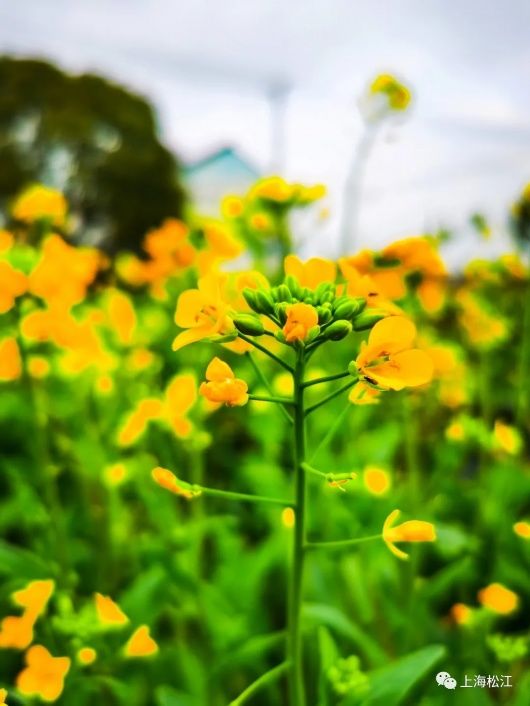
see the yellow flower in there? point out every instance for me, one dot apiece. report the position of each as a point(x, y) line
point(115, 474)
point(12, 284)
point(35, 596)
point(122, 316)
point(38, 367)
point(301, 318)
point(272, 188)
point(388, 359)
point(498, 598)
point(507, 437)
point(288, 517)
point(6, 240)
point(16, 632)
point(522, 529)
point(169, 481)
point(179, 398)
point(44, 675)
point(376, 480)
point(220, 240)
point(109, 612)
point(411, 531)
point(10, 361)
point(40, 202)
point(260, 222)
point(137, 421)
point(223, 386)
point(232, 206)
point(311, 273)
point(3, 697)
point(202, 311)
point(461, 613)
point(397, 94)
point(362, 394)
point(141, 644)
point(455, 431)
point(86, 656)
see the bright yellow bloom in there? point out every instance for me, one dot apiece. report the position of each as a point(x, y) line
point(522, 529)
point(179, 398)
point(6, 240)
point(35, 596)
point(362, 393)
point(40, 202)
point(376, 480)
point(115, 474)
point(301, 318)
point(169, 481)
point(12, 285)
point(223, 386)
point(411, 531)
point(272, 188)
point(288, 517)
point(3, 697)
point(498, 598)
point(507, 437)
point(202, 311)
point(312, 272)
point(109, 612)
point(16, 632)
point(232, 206)
point(10, 360)
point(44, 675)
point(461, 613)
point(122, 316)
point(260, 222)
point(38, 367)
point(397, 94)
point(220, 240)
point(388, 359)
point(141, 644)
point(86, 656)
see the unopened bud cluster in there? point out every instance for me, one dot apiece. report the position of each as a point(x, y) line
point(335, 315)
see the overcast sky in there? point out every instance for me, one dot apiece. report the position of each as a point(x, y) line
point(209, 67)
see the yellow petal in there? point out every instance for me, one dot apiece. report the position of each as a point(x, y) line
point(141, 644)
point(218, 370)
point(109, 612)
point(393, 329)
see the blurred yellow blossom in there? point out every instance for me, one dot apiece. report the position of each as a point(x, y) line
point(109, 612)
point(12, 285)
point(44, 675)
point(223, 386)
point(522, 529)
point(376, 480)
point(10, 360)
point(86, 656)
point(40, 202)
point(141, 644)
point(507, 437)
point(411, 531)
point(498, 598)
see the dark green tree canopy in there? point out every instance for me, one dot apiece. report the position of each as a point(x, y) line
point(92, 139)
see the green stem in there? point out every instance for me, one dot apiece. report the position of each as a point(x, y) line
point(331, 431)
point(262, 681)
point(267, 384)
point(328, 378)
point(266, 351)
point(330, 397)
point(330, 477)
point(342, 543)
point(243, 497)
point(294, 634)
point(277, 400)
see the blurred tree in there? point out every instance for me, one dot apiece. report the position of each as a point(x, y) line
point(94, 140)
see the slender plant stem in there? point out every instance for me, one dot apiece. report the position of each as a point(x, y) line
point(261, 348)
point(267, 384)
point(260, 682)
point(328, 378)
point(277, 400)
point(341, 543)
point(331, 432)
point(294, 633)
point(331, 396)
point(243, 497)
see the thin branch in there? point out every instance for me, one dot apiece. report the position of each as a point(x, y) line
point(331, 396)
point(266, 351)
point(260, 682)
point(277, 400)
point(341, 543)
point(243, 497)
point(328, 378)
point(266, 383)
point(331, 432)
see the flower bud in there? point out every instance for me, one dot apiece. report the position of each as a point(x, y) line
point(250, 298)
point(338, 330)
point(368, 319)
point(294, 286)
point(350, 308)
point(324, 289)
point(284, 293)
point(353, 369)
point(264, 303)
point(312, 334)
point(249, 324)
point(324, 315)
point(279, 336)
point(281, 312)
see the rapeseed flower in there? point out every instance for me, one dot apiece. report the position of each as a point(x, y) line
point(498, 598)
point(411, 531)
point(222, 386)
point(44, 674)
point(301, 318)
point(141, 644)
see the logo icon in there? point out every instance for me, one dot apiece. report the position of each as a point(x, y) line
point(445, 679)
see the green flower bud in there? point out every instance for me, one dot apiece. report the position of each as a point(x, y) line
point(350, 308)
point(353, 369)
point(294, 286)
point(368, 319)
point(250, 298)
point(279, 336)
point(327, 298)
point(281, 311)
point(324, 315)
point(312, 334)
point(249, 324)
point(284, 293)
point(338, 330)
point(264, 303)
point(324, 289)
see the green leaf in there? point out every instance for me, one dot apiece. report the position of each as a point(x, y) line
point(166, 696)
point(391, 684)
point(22, 563)
point(329, 654)
point(335, 619)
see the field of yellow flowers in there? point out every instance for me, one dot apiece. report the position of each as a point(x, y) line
point(287, 482)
